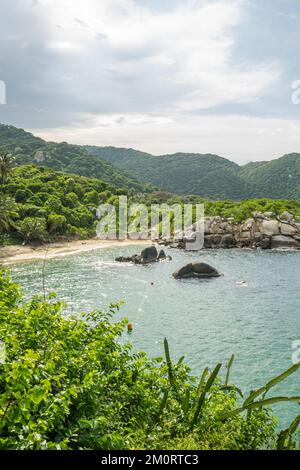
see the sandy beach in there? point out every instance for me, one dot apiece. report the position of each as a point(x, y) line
point(18, 253)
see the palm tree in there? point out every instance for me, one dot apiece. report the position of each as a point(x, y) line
point(6, 164)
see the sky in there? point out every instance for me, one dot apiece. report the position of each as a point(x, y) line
point(162, 76)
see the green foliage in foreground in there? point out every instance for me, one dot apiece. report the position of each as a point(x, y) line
point(70, 383)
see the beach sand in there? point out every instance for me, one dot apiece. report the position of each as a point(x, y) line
point(17, 253)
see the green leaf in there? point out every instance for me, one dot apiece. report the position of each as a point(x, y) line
point(169, 362)
point(207, 387)
point(229, 388)
point(228, 367)
point(202, 381)
point(284, 441)
point(186, 403)
point(271, 384)
point(261, 403)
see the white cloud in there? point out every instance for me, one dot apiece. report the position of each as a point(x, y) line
point(114, 72)
point(176, 60)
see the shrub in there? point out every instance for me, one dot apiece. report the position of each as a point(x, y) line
point(33, 229)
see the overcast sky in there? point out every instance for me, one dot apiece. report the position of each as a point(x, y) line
point(161, 76)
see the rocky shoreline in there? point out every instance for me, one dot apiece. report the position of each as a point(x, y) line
point(264, 230)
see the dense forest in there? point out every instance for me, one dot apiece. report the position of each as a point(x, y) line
point(28, 149)
point(39, 204)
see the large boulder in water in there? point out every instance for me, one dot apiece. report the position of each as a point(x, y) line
point(149, 254)
point(196, 270)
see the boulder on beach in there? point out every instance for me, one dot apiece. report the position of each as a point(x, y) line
point(196, 270)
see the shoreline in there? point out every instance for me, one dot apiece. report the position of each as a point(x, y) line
point(13, 254)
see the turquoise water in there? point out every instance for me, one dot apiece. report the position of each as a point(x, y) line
point(204, 320)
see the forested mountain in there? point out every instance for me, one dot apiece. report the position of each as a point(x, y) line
point(279, 178)
point(208, 176)
point(64, 157)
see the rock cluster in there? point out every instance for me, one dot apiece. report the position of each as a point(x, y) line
point(262, 230)
point(147, 256)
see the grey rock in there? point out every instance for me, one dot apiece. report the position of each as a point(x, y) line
point(287, 217)
point(196, 270)
point(228, 241)
point(281, 241)
point(162, 255)
point(258, 215)
point(287, 229)
point(270, 227)
point(269, 215)
point(149, 254)
point(265, 243)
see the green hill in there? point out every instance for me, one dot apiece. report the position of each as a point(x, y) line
point(208, 176)
point(63, 157)
point(277, 178)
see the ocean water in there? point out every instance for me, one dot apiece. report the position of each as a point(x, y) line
point(252, 311)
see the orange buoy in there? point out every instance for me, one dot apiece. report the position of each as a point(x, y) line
point(129, 327)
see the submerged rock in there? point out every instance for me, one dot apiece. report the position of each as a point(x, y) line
point(196, 270)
